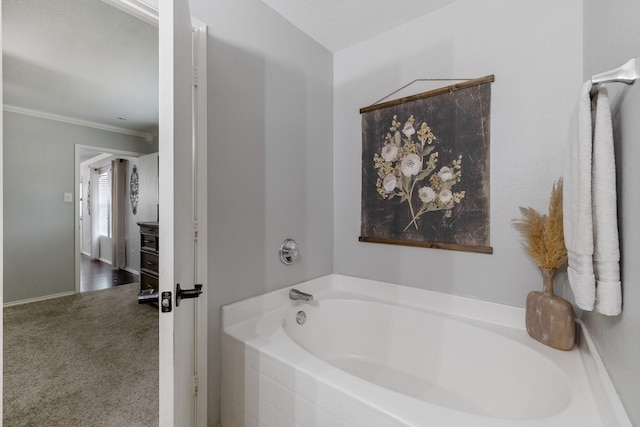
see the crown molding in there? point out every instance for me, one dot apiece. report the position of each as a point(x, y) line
point(144, 10)
point(74, 121)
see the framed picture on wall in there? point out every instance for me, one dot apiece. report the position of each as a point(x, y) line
point(425, 169)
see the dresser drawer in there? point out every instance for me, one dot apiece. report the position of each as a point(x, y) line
point(148, 282)
point(146, 229)
point(149, 242)
point(149, 261)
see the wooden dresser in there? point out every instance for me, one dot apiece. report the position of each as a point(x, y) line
point(149, 247)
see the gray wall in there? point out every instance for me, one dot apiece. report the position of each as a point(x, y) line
point(270, 157)
point(611, 37)
point(148, 182)
point(38, 226)
point(535, 51)
point(273, 172)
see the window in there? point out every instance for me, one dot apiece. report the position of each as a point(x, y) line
point(104, 204)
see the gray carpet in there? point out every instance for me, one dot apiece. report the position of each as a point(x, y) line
point(85, 360)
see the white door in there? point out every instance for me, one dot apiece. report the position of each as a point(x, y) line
point(178, 237)
point(1, 216)
point(180, 353)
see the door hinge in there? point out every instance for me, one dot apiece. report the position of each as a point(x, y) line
point(195, 384)
point(195, 76)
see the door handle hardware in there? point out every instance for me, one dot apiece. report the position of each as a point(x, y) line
point(147, 296)
point(187, 293)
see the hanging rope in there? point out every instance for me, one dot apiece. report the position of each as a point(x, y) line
point(417, 80)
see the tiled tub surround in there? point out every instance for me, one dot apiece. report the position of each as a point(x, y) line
point(373, 354)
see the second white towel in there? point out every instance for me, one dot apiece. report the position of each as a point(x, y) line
point(606, 250)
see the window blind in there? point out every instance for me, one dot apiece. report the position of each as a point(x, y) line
point(104, 204)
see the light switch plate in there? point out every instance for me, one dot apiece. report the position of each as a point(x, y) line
point(68, 197)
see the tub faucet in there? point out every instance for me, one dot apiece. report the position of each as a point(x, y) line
point(297, 295)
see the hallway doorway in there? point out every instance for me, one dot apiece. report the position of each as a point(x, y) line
point(95, 267)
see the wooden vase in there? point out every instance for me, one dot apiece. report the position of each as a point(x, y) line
point(550, 319)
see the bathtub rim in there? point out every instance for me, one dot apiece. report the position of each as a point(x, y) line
point(415, 298)
point(605, 394)
point(606, 398)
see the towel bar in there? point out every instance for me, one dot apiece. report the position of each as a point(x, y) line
point(627, 74)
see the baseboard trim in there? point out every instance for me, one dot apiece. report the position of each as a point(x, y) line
point(132, 271)
point(106, 261)
point(85, 253)
point(36, 299)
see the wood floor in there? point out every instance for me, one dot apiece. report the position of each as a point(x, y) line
point(96, 275)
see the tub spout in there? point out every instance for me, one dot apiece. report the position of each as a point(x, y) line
point(297, 295)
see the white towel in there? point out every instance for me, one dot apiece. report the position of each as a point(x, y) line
point(590, 212)
point(606, 252)
point(577, 207)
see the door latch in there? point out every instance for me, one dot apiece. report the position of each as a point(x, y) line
point(165, 302)
point(187, 293)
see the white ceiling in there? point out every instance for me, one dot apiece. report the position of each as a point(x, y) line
point(338, 24)
point(82, 59)
point(90, 61)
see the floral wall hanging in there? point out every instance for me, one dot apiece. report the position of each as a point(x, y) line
point(134, 189)
point(425, 169)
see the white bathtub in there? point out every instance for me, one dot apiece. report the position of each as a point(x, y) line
point(373, 354)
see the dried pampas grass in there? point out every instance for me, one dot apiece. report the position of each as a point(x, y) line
point(543, 234)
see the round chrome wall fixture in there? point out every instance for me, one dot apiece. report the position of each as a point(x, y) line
point(288, 251)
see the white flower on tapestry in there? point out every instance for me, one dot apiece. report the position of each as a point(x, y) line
point(411, 164)
point(408, 129)
point(426, 194)
point(404, 163)
point(445, 196)
point(389, 152)
point(445, 173)
point(389, 183)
